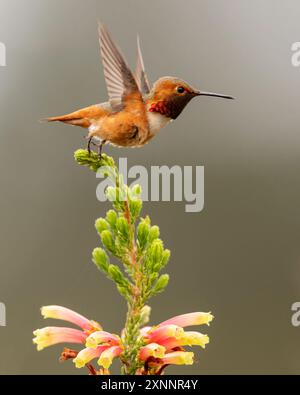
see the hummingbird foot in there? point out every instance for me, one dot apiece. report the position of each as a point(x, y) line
point(100, 147)
point(90, 142)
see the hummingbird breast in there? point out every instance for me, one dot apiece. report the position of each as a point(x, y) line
point(156, 122)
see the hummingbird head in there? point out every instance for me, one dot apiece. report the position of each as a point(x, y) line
point(170, 95)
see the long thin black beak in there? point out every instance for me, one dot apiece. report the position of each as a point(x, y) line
point(202, 93)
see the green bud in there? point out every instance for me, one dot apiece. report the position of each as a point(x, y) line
point(153, 277)
point(154, 233)
point(111, 194)
point(101, 224)
point(143, 234)
point(161, 284)
point(136, 191)
point(165, 258)
point(101, 259)
point(111, 218)
point(123, 291)
point(107, 240)
point(115, 274)
point(145, 315)
point(156, 252)
point(147, 220)
point(123, 227)
point(135, 207)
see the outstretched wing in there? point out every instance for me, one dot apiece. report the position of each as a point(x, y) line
point(119, 79)
point(140, 73)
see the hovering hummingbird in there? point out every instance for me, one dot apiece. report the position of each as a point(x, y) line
point(135, 112)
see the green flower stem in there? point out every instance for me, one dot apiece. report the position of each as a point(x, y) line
point(139, 248)
point(135, 306)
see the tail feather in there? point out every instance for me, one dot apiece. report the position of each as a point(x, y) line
point(83, 117)
point(72, 119)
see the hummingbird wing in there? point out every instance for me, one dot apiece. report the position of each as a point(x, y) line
point(140, 73)
point(119, 79)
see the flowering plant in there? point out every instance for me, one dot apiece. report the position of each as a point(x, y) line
point(142, 350)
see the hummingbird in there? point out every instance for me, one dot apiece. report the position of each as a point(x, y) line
point(135, 111)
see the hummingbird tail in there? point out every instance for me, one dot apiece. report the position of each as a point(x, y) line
point(70, 119)
point(83, 117)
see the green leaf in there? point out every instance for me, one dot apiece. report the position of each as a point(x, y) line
point(124, 291)
point(165, 258)
point(116, 275)
point(161, 284)
point(154, 233)
point(101, 259)
point(107, 240)
point(123, 227)
point(92, 160)
point(101, 224)
point(143, 230)
point(156, 252)
point(135, 207)
point(136, 191)
point(111, 218)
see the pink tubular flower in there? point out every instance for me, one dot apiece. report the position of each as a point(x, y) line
point(189, 319)
point(87, 355)
point(62, 313)
point(165, 342)
point(99, 344)
point(189, 339)
point(108, 355)
point(175, 358)
point(163, 332)
point(53, 335)
point(152, 350)
point(159, 346)
point(100, 337)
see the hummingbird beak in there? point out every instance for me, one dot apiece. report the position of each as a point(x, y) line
point(202, 93)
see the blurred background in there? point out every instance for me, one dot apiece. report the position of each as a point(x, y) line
point(239, 257)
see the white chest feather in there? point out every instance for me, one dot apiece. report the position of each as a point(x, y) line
point(156, 121)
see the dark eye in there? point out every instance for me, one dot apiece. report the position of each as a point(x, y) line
point(180, 89)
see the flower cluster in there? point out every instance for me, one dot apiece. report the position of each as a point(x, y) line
point(161, 345)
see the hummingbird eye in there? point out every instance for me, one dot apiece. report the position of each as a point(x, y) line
point(180, 89)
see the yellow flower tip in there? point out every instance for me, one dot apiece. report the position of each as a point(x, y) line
point(41, 339)
point(210, 317)
point(46, 313)
point(105, 361)
point(184, 358)
point(203, 341)
point(108, 355)
point(79, 362)
point(189, 358)
point(179, 358)
point(91, 342)
point(39, 346)
point(196, 339)
point(159, 351)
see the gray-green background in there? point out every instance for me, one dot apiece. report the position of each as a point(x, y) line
point(238, 258)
